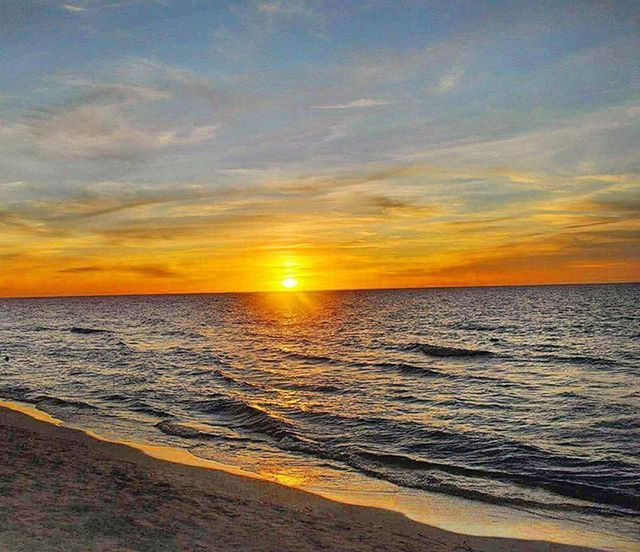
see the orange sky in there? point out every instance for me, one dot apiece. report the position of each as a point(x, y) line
point(328, 234)
point(435, 146)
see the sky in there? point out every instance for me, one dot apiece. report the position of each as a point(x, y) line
point(165, 146)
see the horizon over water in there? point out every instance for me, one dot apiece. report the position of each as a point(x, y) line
point(522, 398)
point(317, 290)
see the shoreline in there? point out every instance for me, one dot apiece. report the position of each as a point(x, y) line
point(64, 487)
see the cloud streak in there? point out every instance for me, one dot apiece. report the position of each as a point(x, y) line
point(356, 104)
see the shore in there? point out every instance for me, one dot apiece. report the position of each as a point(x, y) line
point(63, 489)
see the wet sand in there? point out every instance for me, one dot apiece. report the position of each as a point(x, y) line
point(62, 489)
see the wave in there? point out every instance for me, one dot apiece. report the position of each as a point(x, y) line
point(228, 379)
point(327, 388)
point(568, 489)
point(318, 388)
point(179, 430)
point(22, 393)
point(410, 399)
point(249, 417)
point(144, 408)
point(582, 360)
point(16, 393)
point(444, 351)
point(625, 423)
point(412, 472)
point(44, 401)
point(412, 479)
point(224, 376)
point(117, 397)
point(135, 405)
point(476, 327)
point(409, 369)
point(178, 332)
point(409, 472)
point(462, 403)
point(42, 329)
point(81, 330)
point(316, 359)
point(396, 366)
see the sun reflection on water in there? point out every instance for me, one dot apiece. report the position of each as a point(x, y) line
point(289, 475)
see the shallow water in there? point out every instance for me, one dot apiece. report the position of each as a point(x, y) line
point(525, 398)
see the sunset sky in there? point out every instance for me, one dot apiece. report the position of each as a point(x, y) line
point(194, 146)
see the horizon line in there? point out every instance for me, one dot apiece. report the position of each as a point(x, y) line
point(297, 292)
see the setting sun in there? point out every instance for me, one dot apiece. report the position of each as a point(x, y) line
point(289, 283)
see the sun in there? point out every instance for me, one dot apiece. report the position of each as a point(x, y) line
point(289, 283)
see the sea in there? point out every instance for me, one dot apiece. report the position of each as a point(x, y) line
point(509, 411)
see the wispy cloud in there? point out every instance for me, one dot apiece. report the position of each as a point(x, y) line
point(285, 7)
point(81, 6)
point(257, 25)
point(573, 144)
point(449, 81)
point(74, 8)
point(95, 131)
point(152, 271)
point(114, 120)
point(356, 104)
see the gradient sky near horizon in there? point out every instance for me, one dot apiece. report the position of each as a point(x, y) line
point(194, 146)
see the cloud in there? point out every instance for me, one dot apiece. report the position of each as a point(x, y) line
point(88, 91)
point(81, 6)
point(74, 8)
point(356, 104)
point(188, 93)
point(285, 7)
point(107, 120)
point(153, 271)
point(258, 25)
point(598, 141)
point(89, 202)
point(94, 132)
point(449, 81)
point(91, 131)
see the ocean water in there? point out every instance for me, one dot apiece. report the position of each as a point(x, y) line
point(522, 398)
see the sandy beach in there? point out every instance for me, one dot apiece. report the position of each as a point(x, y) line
point(65, 490)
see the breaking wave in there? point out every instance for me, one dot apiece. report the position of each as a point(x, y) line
point(248, 417)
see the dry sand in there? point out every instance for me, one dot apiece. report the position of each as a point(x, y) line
point(64, 490)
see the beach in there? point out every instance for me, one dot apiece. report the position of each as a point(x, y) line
point(63, 489)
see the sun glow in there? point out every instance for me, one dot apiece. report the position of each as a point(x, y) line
point(289, 283)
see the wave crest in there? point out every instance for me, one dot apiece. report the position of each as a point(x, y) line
point(82, 330)
point(44, 401)
point(249, 417)
point(430, 349)
point(179, 430)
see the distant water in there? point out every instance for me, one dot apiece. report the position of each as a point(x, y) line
point(526, 397)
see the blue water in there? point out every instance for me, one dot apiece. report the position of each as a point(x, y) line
point(526, 397)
